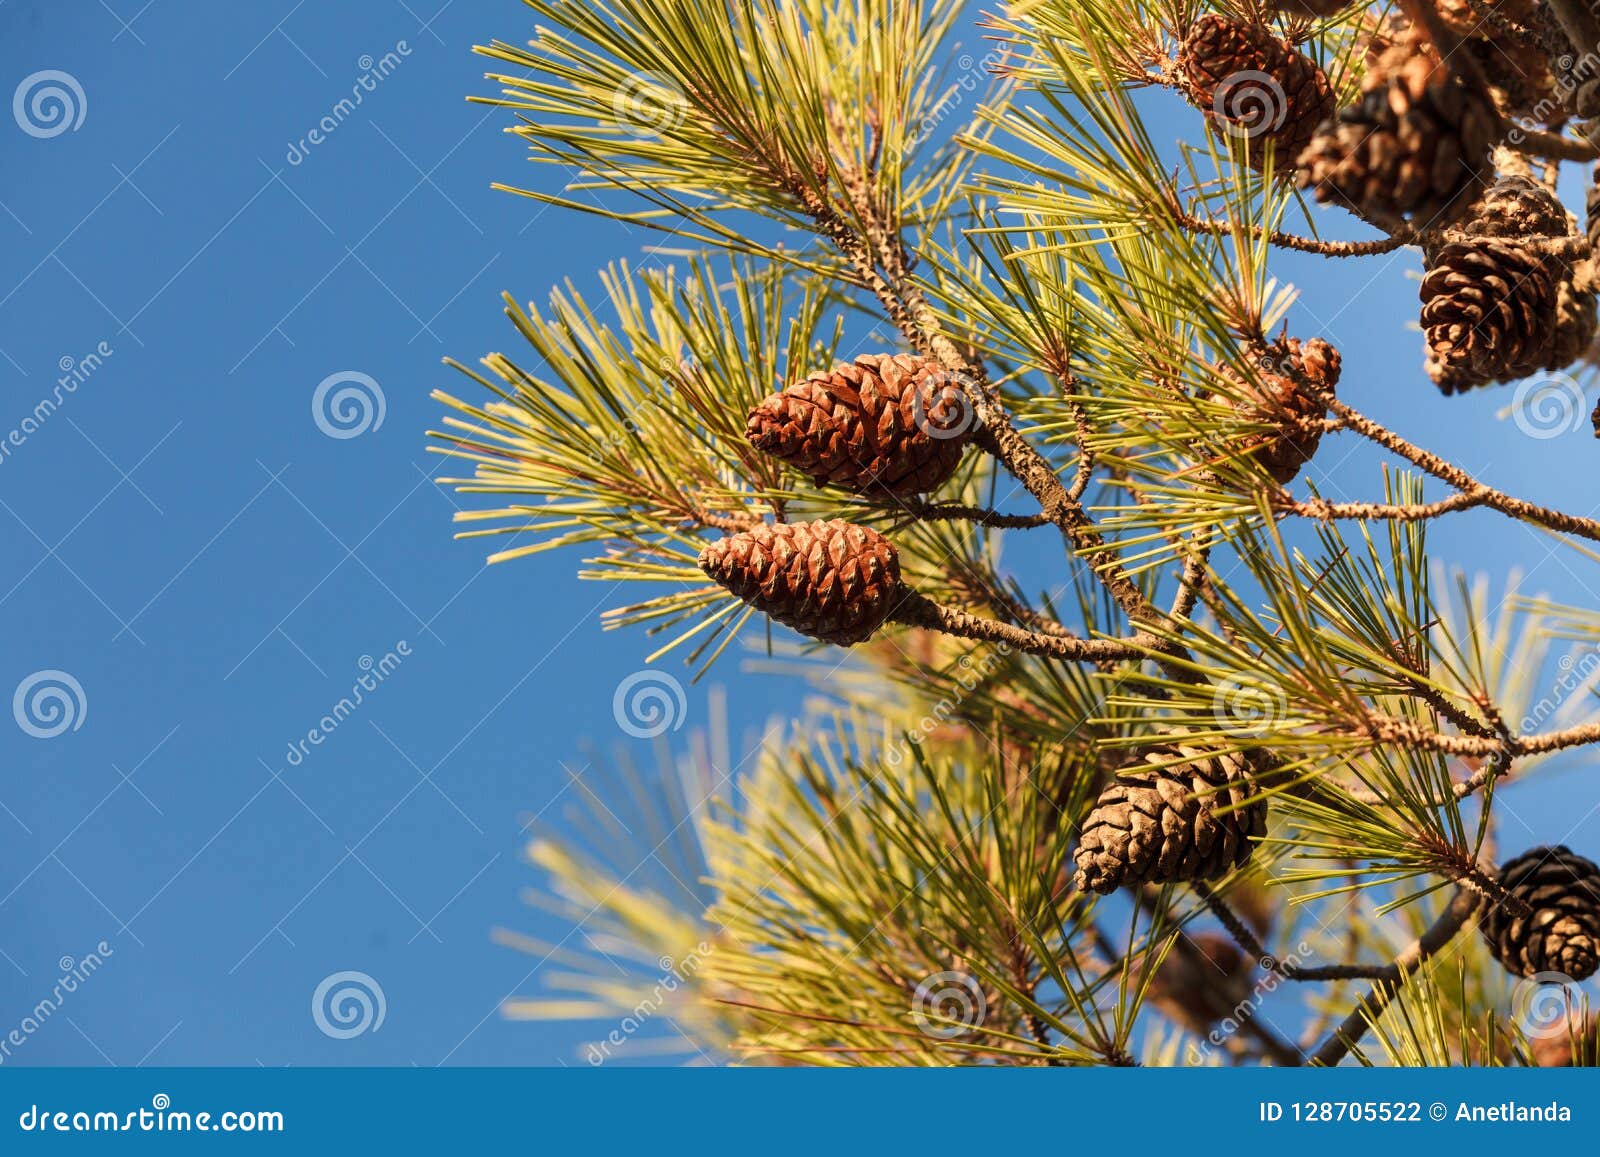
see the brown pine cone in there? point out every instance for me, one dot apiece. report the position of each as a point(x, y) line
point(1252, 84)
point(1494, 309)
point(1560, 932)
point(1160, 822)
point(833, 580)
point(1576, 325)
point(1517, 207)
point(1488, 308)
point(1415, 144)
point(895, 425)
point(1280, 396)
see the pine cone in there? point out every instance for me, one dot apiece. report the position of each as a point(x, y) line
point(1562, 934)
point(1287, 367)
point(1494, 309)
point(1416, 143)
point(833, 580)
point(1504, 38)
point(1249, 83)
point(894, 425)
point(1160, 823)
point(1488, 307)
point(1591, 206)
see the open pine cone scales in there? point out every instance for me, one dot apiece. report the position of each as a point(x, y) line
point(834, 581)
point(1494, 306)
point(1415, 144)
point(1161, 821)
point(1488, 308)
point(892, 424)
point(1289, 369)
point(1552, 922)
point(1253, 85)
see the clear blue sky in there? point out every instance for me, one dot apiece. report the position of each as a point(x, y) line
point(182, 538)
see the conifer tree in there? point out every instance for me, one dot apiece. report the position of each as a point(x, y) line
point(1213, 775)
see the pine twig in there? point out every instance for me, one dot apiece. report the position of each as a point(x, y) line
point(1247, 940)
point(917, 610)
point(956, 512)
point(1473, 492)
point(1438, 935)
point(1293, 241)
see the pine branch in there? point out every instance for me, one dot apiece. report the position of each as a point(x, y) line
point(1473, 492)
point(1253, 947)
point(1443, 930)
point(974, 514)
point(916, 610)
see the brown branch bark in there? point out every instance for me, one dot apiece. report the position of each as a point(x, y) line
point(1473, 492)
point(918, 610)
point(1371, 1006)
